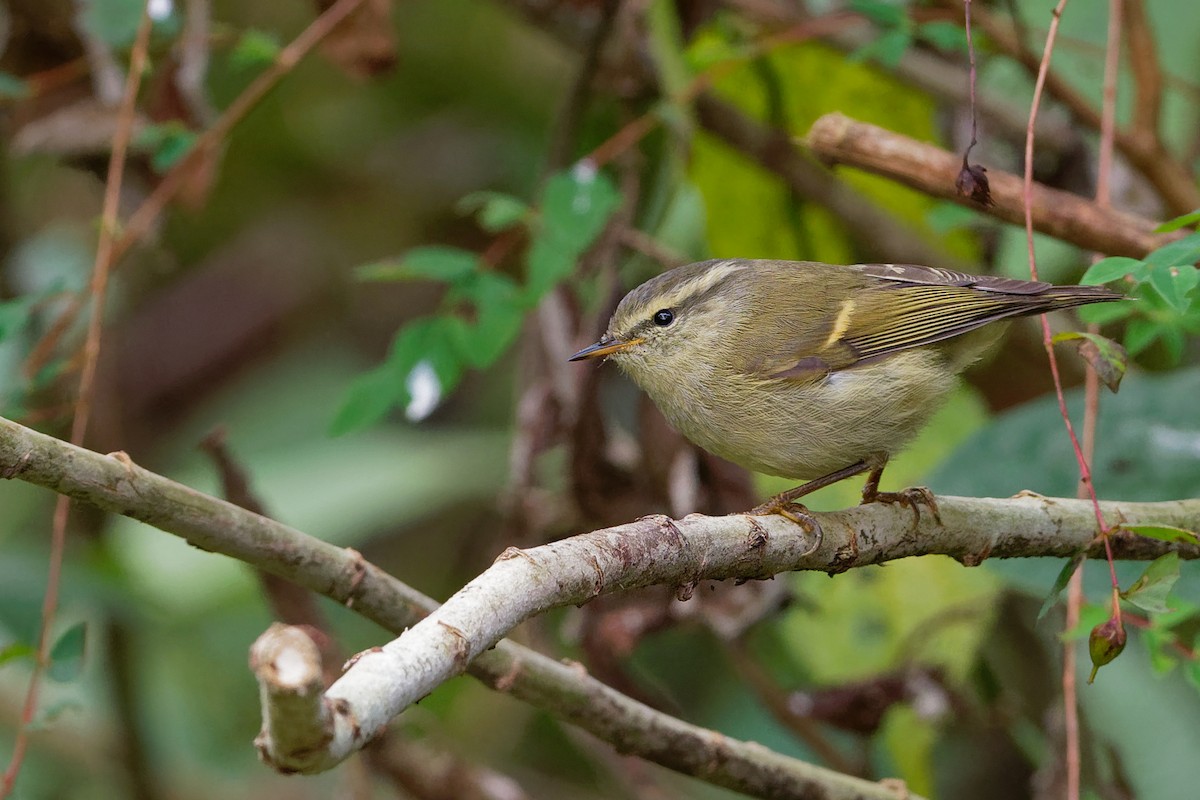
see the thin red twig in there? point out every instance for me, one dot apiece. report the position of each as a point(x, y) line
point(87, 382)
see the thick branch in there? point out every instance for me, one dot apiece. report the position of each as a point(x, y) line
point(839, 139)
point(115, 484)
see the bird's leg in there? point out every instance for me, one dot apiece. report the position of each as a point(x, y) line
point(784, 504)
point(914, 496)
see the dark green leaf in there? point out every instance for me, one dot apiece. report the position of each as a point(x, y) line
point(548, 263)
point(1174, 341)
point(1105, 356)
point(1149, 592)
point(1112, 268)
point(66, 656)
point(1184, 221)
point(496, 211)
point(254, 50)
point(1060, 583)
point(436, 263)
point(1166, 533)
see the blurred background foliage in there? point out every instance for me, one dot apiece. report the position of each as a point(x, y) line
point(267, 299)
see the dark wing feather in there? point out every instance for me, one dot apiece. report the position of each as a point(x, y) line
point(911, 306)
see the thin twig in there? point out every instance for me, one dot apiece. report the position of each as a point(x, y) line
point(98, 291)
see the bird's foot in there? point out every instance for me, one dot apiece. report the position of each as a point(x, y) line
point(913, 497)
point(795, 512)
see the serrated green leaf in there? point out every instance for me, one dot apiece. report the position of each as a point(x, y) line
point(1183, 252)
point(1163, 280)
point(1108, 358)
point(66, 656)
point(1113, 268)
point(1060, 583)
point(1166, 533)
point(496, 211)
point(1183, 221)
point(435, 263)
point(1149, 592)
point(255, 49)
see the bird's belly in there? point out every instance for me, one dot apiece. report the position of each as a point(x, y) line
point(807, 430)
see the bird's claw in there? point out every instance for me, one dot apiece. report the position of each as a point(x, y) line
point(913, 497)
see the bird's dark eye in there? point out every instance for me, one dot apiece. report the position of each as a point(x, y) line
point(663, 317)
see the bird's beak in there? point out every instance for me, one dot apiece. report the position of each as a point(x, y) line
point(606, 346)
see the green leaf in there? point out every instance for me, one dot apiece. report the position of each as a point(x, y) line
point(944, 35)
point(168, 142)
point(887, 50)
point(1102, 313)
point(1140, 334)
point(114, 22)
point(368, 400)
point(1060, 583)
point(1166, 533)
point(16, 650)
point(255, 49)
point(66, 656)
point(493, 332)
point(436, 263)
point(575, 207)
point(1164, 281)
point(1106, 357)
point(1113, 268)
point(882, 13)
point(12, 87)
point(1184, 221)
point(1149, 592)
point(1183, 252)
point(14, 315)
point(430, 339)
point(496, 211)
